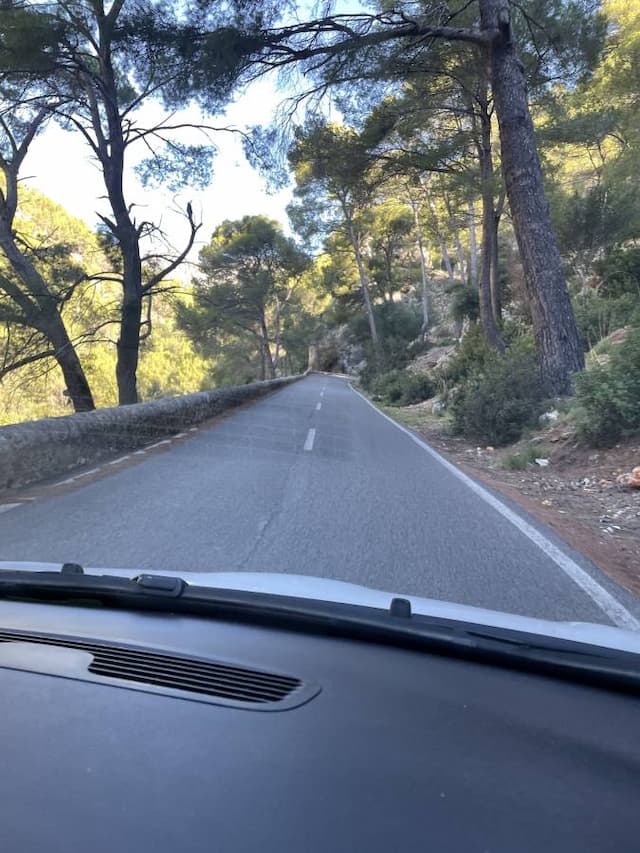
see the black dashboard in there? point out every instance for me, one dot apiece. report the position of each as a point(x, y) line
point(374, 748)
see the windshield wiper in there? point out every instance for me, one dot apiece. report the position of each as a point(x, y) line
point(397, 625)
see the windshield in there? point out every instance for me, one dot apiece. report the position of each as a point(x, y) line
point(348, 294)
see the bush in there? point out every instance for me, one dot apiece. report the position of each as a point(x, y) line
point(470, 357)
point(495, 403)
point(620, 272)
point(608, 396)
point(464, 302)
point(392, 355)
point(523, 458)
point(598, 316)
point(399, 388)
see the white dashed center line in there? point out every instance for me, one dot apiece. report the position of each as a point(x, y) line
point(308, 445)
point(7, 507)
point(318, 407)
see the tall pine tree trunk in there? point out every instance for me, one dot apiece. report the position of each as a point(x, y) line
point(554, 325)
point(266, 349)
point(473, 246)
point(423, 270)
point(69, 363)
point(496, 295)
point(364, 284)
point(39, 305)
point(487, 315)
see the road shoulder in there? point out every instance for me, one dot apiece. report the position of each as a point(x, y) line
point(576, 496)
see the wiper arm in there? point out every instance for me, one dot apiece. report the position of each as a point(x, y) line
point(518, 650)
point(71, 581)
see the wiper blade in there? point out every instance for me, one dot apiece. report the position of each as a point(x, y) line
point(516, 649)
point(71, 581)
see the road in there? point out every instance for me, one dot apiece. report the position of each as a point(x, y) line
point(311, 480)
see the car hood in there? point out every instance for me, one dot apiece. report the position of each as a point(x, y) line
point(327, 589)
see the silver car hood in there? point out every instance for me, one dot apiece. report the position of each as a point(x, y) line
point(326, 589)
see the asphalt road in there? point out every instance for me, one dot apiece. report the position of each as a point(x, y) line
point(310, 480)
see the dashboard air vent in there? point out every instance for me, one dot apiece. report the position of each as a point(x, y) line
point(178, 674)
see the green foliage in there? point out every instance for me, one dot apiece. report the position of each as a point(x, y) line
point(400, 388)
point(496, 402)
point(620, 273)
point(399, 321)
point(465, 303)
point(592, 218)
point(248, 300)
point(398, 324)
point(608, 396)
point(523, 458)
point(179, 165)
point(471, 355)
point(598, 316)
point(169, 364)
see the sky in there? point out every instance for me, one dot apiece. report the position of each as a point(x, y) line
point(60, 165)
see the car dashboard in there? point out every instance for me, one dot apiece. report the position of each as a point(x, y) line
point(297, 741)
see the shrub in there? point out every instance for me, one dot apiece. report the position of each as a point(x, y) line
point(598, 316)
point(495, 403)
point(520, 460)
point(391, 356)
point(399, 388)
point(620, 272)
point(470, 356)
point(608, 396)
point(464, 302)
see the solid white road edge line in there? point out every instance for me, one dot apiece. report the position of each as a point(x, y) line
point(7, 507)
point(86, 473)
point(158, 444)
point(609, 605)
point(121, 459)
point(308, 445)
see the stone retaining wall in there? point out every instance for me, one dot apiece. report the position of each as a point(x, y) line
point(37, 450)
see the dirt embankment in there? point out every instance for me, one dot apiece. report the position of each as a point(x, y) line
point(574, 489)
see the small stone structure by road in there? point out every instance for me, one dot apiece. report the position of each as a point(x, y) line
point(37, 450)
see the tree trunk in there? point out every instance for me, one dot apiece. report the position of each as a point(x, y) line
point(487, 316)
point(423, 272)
point(473, 246)
point(496, 296)
point(364, 286)
point(40, 310)
point(268, 358)
point(110, 149)
point(446, 258)
point(66, 356)
point(278, 334)
point(263, 362)
point(389, 272)
point(442, 243)
point(128, 347)
point(555, 329)
point(460, 257)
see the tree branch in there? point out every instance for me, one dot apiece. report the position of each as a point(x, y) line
point(194, 228)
